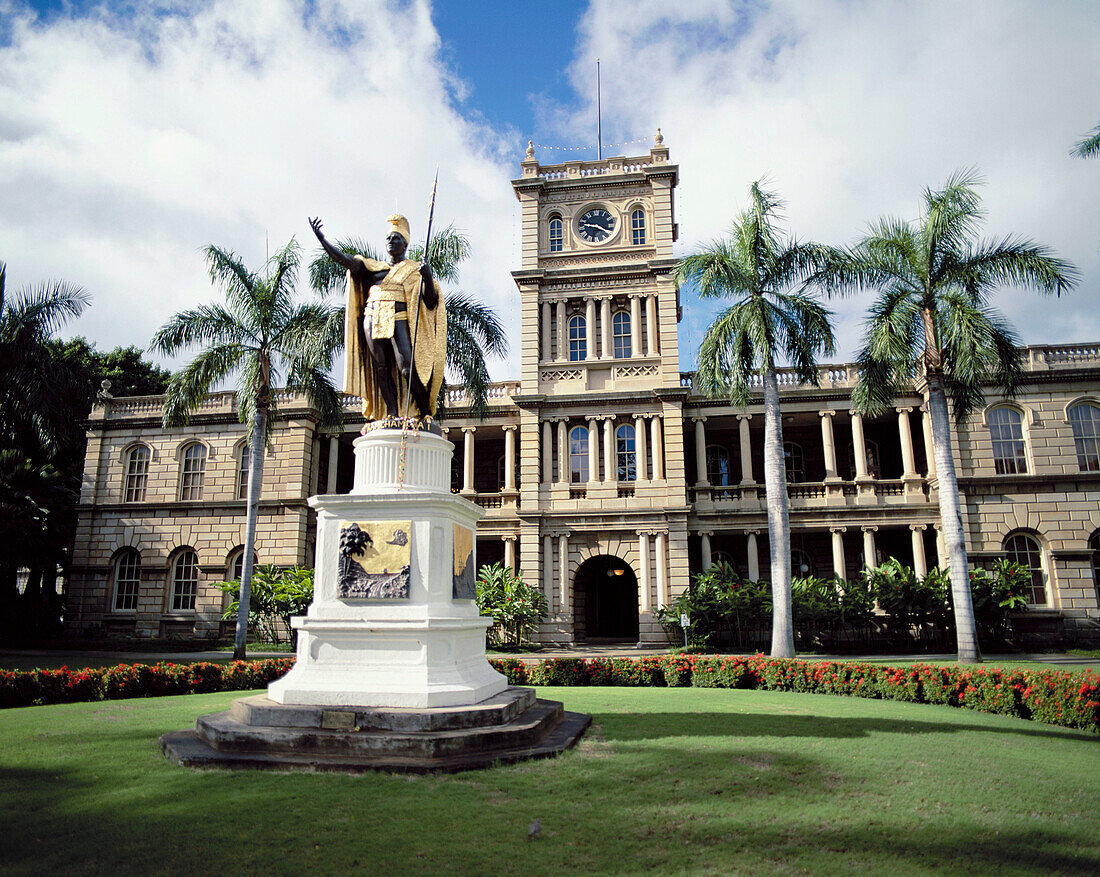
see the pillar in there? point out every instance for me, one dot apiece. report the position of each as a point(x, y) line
point(593, 449)
point(657, 443)
point(546, 331)
point(563, 341)
point(929, 451)
point(510, 456)
point(607, 349)
point(660, 552)
point(563, 572)
point(547, 452)
point(590, 328)
point(840, 569)
point(333, 463)
point(635, 326)
point(869, 555)
point(610, 470)
point(548, 571)
point(704, 537)
point(468, 459)
point(746, 448)
point(641, 461)
point(920, 562)
point(828, 442)
point(651, 325)
point(859, 446)
point(941, 547)
point(643, 570)
point(753, 555)
point(701, 478)
point(563, 451)
point(510, 552)
point(909, 465)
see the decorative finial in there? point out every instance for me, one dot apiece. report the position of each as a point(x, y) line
point(530, 149)
point(660, 138)
point(104, 389)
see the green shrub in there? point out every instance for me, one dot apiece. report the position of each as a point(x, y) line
point(516, 608)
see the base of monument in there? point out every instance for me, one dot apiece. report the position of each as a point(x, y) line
point(257, 732)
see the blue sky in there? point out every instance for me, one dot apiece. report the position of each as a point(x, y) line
point(133, 134)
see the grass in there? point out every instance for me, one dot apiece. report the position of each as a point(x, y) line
point(669, 781)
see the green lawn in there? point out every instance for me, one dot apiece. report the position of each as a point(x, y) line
point(668, 781)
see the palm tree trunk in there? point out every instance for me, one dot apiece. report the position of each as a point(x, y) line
point(951, 520)
point(779, 533)
point(255, 482)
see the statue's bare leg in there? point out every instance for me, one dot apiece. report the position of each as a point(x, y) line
point(402, 346)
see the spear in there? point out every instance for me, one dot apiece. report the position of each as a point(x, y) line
point(415, 315)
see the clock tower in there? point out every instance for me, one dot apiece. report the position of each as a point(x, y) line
point(602, 497)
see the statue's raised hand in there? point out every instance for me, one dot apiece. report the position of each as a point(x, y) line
point(315, 224)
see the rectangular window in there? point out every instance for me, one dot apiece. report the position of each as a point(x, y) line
point(127, 581)
point(637, 227)
point(194, 467)
point(242, 474)
point(1007, 435)
point(137, 475)
point(185, 582)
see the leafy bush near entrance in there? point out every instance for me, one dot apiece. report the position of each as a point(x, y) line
point(515, 607)
point(276, 595)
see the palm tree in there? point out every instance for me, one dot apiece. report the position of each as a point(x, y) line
point(258, 331)
point(473, 330)
point(933, 321)
point(1089, 145)
point(758, 266)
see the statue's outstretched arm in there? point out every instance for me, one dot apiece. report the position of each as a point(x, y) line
point(347, 262)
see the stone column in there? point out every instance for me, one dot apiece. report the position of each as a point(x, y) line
point(704, 538)
point(610, 470)
point(563, 340)
point(660, 552)
point(643, 570)
point(468, 459)
point(701, 478)
point(753, 556)
point(635, 326)
point(909, 464)
point(657, 442)
point(548, 571)
point(333, 463)
point(920, 562)
point(828, 442)
point(563, 451)
point(510, 456)
point(607, 348)
point(593, 449)
point(563, 572)
point(859, 446)
point(746, 448)
point(590, 328)
point(315, 467)
point(547, 452)
point(929, 451)
point(641, 461)
point(941, 546)
point(651, 325)
point(546, 332)
point(510, 552)
point(840, 569)
point(869, 554)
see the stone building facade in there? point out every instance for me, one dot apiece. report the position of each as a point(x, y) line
point(605, 478)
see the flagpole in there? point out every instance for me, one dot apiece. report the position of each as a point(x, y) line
point(599, 116)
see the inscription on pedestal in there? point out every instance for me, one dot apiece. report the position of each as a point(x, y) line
point(464, 587)
point(374, 560)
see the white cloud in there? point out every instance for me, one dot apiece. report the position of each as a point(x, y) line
point(128, 143)
point(852, 108)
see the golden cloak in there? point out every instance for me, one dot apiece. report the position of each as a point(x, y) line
point(402, 283)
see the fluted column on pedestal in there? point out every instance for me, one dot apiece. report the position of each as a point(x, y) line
point(753, 555)
point(641, 457)
point(468, 459)
point(870, 556)
point(643, 570)
point(920, 562)
point(593, 449)
point(701, 477)
point(840, 569)
point(746, 448)
point(510, 455)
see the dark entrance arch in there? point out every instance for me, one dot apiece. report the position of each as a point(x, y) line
point(605, 601)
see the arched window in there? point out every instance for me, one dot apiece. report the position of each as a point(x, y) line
point(242, 472)
point(625, 458)
point(137, 474)
point(871, 449)
point(620, 328)
point(1006, 430)
point(802, 565)
point(1024, 549)
point(1084, 417)
point(637, 225)
point(193, 471)
point(185, 581)
point(555, 236)
point(578, 338)
point(127, 581)
point(578, 455)
point(236, 565)
point(718, 466)
point(794, 462)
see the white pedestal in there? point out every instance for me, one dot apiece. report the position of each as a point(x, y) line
point(423, 650)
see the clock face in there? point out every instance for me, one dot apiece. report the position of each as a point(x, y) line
point(595, 225)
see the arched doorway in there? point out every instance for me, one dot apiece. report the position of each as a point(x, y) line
point(605, 601)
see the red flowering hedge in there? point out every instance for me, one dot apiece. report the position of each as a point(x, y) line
point(30, 687)
point(1070, 699)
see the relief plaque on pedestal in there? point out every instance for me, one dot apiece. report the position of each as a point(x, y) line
point(374, 560)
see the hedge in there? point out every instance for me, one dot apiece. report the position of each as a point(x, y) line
point(1069, 699)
